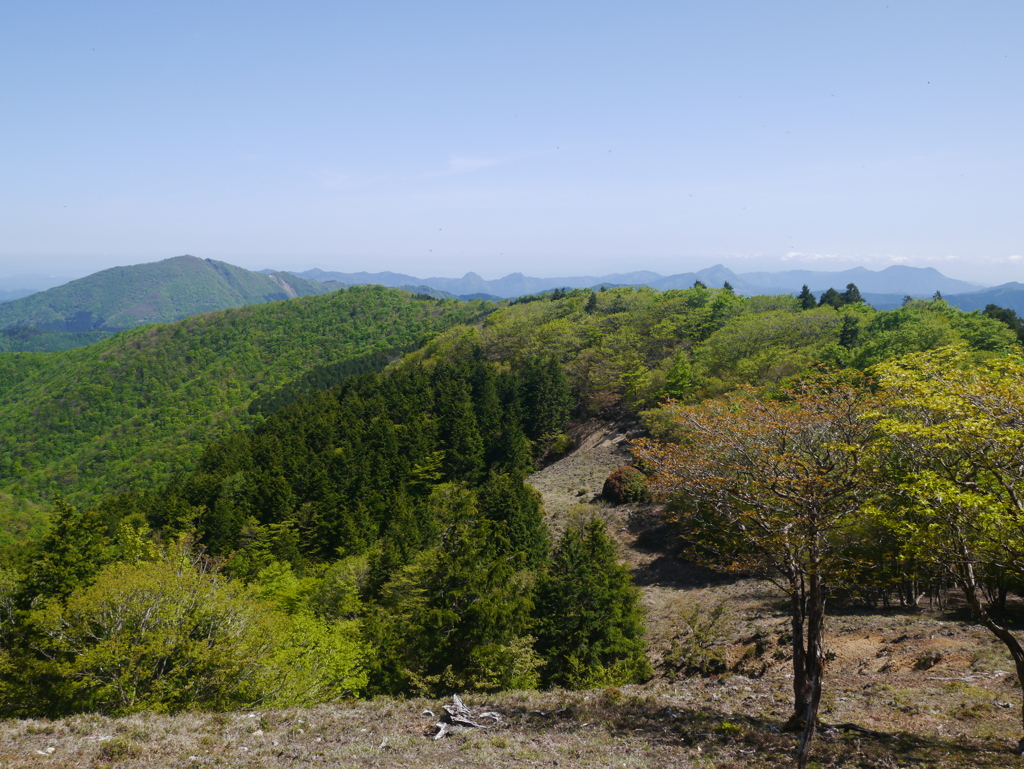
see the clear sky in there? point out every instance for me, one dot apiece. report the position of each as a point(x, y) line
point(551, 138)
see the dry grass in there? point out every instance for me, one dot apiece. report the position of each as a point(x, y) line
point(729, 722)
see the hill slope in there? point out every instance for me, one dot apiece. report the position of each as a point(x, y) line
point(158, 292)
point(140, 405)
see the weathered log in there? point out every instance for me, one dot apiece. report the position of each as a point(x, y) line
point(458, 718)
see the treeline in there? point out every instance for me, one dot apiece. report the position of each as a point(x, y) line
point(379, 533)
point(628, 348)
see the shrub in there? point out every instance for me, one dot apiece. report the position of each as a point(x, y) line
point(627, 484)
point(171, 635)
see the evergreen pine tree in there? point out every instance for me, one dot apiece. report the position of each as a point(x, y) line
point(73, 551)
point(457, 426)
point(546, 398)
point(807, 300)
point(515, 509)
point(852, 294)
point(849, 333)
point(589, 623)
point(832, 298)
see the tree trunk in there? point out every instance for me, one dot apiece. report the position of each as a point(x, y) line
point(970, 588)
point(815, 655)
point(801, 684)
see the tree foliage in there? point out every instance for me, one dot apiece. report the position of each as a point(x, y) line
point(590, 626)
point(769, 486)
point(954, 456)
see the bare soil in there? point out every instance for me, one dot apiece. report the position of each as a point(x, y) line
point(930, 688)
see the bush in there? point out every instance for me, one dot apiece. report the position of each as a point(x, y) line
point(627, 484)
point(172, 635)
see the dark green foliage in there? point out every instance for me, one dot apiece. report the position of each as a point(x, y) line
point(514, 508)
point(457, 426)
point(807, 300)
point(852, 294)
point(832, 298)
point(457, 617)
point(627, 484)
point(71, 553)
point(849, 333)
point(546, 399)
point(324, 378)
point(589, 625)
point(346, 468)
point(1009, 317)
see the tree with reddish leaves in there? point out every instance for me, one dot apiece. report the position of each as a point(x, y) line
point(768, 486)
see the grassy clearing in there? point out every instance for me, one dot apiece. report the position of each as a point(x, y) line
point(728, 722)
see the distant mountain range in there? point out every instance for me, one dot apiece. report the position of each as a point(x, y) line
point(85, 310)
point(899, 280)
point(883, 289)
point(158, 292)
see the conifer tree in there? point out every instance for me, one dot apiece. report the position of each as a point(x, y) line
point(515, 509)
point(546, 398)
point(807, 300)
point(457, 426)
point(832, 298)
point(851, 295)
point(69, 556)
point(849, 333)
point(590, 627)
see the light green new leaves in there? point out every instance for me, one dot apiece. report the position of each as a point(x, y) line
point(954, 432)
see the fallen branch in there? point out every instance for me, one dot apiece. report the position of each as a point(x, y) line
point(853, 728)
point(458, 718)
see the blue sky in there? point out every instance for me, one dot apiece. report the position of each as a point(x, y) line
point(549, 138)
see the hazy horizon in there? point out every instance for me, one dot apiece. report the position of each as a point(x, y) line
point(543, 138)
point(737, 266)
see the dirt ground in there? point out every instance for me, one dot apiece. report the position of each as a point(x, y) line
point(921, 671)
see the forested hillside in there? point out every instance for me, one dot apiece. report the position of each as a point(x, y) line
point(363, 525)
point(134, 408)
point(628, 348)
point(94, 307)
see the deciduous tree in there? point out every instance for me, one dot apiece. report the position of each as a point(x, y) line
point(954, 452)
point(767, 486)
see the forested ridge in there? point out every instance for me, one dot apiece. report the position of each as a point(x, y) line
point(94, 307)
point(371, 523)
point(134, 408)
